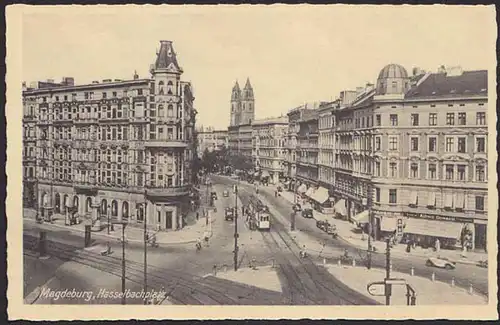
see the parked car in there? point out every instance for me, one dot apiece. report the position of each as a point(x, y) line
point(225, 193)
point(280, 189)
point(441, 263)
point(213, 195)
point(307, 213)
point(320, 224)
point(229, 213)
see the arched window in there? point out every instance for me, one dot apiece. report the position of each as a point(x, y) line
point(125, 210)
point(114, 208)
point(104, 206)
point(160, 87)
point(250, 106)
point(170, 85)
point(170, 111)
point(88, 206)
point(58, 203)
point(75, 202)
point(243, 106)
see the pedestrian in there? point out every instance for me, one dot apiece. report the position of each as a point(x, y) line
point(197, 215)
point(437, 245)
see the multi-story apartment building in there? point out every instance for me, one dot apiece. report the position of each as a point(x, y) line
point(269, 140)
point(211, 139)
point(418, 145)
point(290, 163)
point(307, 151)
point(122, 148)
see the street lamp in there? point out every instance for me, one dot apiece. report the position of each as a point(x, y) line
point(146, 237)
point(108, 213)
point(124, 224)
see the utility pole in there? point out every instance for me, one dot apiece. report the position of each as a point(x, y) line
point(370, 225)
point(388, 272)
point(236, 227)
point(146, 237)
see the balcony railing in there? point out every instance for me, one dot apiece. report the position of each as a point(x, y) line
point(165, 143)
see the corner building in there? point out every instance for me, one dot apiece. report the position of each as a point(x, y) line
point(118, 149)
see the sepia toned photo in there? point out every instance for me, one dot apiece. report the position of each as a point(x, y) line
point(271, 161)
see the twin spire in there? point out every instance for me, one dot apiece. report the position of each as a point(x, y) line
point(247, 92)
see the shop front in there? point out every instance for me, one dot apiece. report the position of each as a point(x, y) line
point(425, 229)
point(321, 199)
point(340, 209)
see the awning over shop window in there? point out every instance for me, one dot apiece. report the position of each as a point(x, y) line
point(414, 198)
point(309, 191)
point(256, 174)
point(444, 229)
point(448, 200)
point(265, 173)
point(320, 195)
point(362, 217)
point(302, 188)
point(459, 200)
point(388, 224)
point(340, 208)
point(431, 201)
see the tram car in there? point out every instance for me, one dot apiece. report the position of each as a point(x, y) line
point(258, 215)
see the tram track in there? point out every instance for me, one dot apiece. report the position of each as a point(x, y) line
point(181, 287)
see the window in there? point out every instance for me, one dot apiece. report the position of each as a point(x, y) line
point(393, 169)
point(461, 145)
point(377, 194)
point(378, 119)
point(480, 173)
point(461, 172)
point(377, 143)
point(104, 95)
point(139, 92)
point(161, 112)
point(432, 144)
point(393, 196)
point(432, 119)
point(449, 172)
point(414, 119)
point(432, 171)
point(394, 119)
point(170, 111)
point(414, 144)
point(462, 118)
point(481, 118)
point(114, 94)
point(450, 118)
point(393, 143)
point(449, 144)
point(480, 145)
point(377, 168)
point(414, 170)
point(479, 203)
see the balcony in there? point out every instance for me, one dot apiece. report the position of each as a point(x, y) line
point(85, 186)
point(166, 143)
point(161, 192)
point(139, 119)
point(86, 120)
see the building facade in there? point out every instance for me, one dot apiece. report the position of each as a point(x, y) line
point(211, 140)
point(269, 147)
point(413, 151)
point(118, 149)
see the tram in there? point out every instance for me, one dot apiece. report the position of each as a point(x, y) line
point(258, 215)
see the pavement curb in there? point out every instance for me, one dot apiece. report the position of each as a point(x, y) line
point(113, 237)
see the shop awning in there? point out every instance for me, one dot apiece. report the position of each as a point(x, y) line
point(340, 208)
point(444, 229)
point(414, 198)
point(320, 195)
point(388, 224)
point(265, 173)
point(362, 217)
point(431, 201)
point(448, 200)
point(309, 191)
point(302, 188)
point(459, 200)
point(256, 174)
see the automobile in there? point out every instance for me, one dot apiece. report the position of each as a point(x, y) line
point(234, 176)
point(229, 213)
point(225, 193)
point(441, 263)
point(213, 195)
point(280, 189)
point(320, 224)
point(331, 229)
point(483, 264)
point(307, 213)
point(296, 207)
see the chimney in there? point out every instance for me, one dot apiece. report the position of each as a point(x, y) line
point(34, 84)
point(68, 81)
point(51, 81)
point(454, 71)
point(106, 80)
point(442, 69)
point(136, 76)
point(95, 82)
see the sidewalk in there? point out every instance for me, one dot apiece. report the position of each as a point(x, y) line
point(428, 292)
point(186, 235)
point(345, 230)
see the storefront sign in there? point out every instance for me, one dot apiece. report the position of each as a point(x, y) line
point(437, 217)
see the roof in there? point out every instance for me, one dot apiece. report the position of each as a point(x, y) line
point(91, 86)
point(393, 71)
point(166, 57)
point(271, 120)
point(439, 85)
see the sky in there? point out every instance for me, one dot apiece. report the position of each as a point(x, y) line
point(292, 54)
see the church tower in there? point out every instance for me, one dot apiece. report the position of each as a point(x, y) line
point(235, 105)
point(247, 104)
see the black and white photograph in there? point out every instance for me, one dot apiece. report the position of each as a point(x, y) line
point(284, 156)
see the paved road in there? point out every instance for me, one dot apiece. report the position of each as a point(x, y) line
point(463, 274)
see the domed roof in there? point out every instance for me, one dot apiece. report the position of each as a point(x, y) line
point(393, 71)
